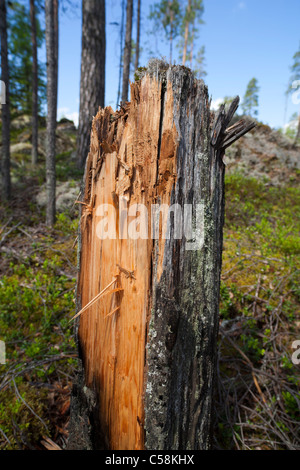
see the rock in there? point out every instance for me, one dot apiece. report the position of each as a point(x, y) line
point(66, 194)
point(21, 121)
point(21, 147)
point(264, 152)
point(66, 125)
point(25, 136)
point(24, 148)
point(65, 140)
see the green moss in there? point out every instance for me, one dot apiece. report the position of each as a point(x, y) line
point(139, 73)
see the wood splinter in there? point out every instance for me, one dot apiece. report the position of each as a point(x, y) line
point(113, 311)
point(97, 297)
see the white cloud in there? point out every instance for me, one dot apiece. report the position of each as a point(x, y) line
point(293, 125)
point(242, 6)
point(65, 113)
point(215, 104)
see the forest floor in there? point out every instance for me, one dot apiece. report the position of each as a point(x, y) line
point(257, 398)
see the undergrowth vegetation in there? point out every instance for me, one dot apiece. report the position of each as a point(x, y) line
point(257, 399)
point(258, 383)
point(37, 286)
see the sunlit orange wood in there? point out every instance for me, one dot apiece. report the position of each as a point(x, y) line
point(123, 163)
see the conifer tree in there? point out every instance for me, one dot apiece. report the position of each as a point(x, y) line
point(5, 107)
point(190, 31)
point(92, 77)
point(167, 16)
point(21, 57)
point(250, 101)
point(127, 50)
point(294, 84)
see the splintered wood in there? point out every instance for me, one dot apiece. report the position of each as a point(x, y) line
point(123, 165)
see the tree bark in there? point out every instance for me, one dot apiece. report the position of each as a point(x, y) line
point(127, 51)
point(92, 81)
point(34, 124)
point(56, 43)
point(5, 109)
point(121, 51)
point(51, 111)
point(138, 29)
point(150, 291)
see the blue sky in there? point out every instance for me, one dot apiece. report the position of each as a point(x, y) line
point(243, 39)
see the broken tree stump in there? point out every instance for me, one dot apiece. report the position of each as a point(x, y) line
point(148, 283)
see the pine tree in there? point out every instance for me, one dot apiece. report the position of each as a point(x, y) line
point(51, 21)
point(34, 155)
point(294, 83)
point(190, 31)
point(122, 27)
point(92, 80)
point(250, 101)
point(21, 59)
point(5, 108)
point(199, 70)
point(167, 15)
point(138, 34)
point(127, 50)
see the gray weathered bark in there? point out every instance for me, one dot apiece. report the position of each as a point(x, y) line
point(5, 110)
point(51, 20)
point(34, 125)
point(166, 147)
point(127, 51)
point(92, 81)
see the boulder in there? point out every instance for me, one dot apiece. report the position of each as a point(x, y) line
point(264, 152)
point(21, 121)
point(66, 194)
point(21, 147)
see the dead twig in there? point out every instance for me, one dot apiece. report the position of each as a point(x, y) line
point(27, 406)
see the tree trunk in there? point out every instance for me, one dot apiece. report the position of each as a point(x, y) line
point(148, 338)
point(127, 51)
point(171, 30)
point(92, 81)
point(5, 109)
point(51, 110)
point(138, 29)
point(121, 51)
point(34, 125)
point(186, 33)
point(192, 50)
point(56, 41)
